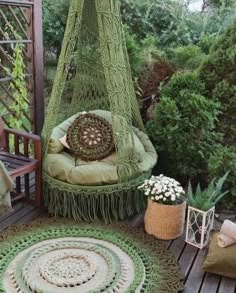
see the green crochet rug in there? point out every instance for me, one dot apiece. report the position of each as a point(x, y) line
point(58, 256)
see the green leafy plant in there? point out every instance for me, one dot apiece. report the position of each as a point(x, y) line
point(19, 88)
point(183, 127)
point(206, 41)
point(186, 57)
point(207, 198)
point(218, 72)
point(54, 23)
point(179, 82)
point(134, 49)
point(223, 158)
point(220, 3)
point(173, 23)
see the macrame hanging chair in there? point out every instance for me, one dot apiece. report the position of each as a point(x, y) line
point(102, 85)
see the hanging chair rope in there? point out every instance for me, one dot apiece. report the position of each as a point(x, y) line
point(103, 77)
point(89, 84)
point(68, 46)
point(117, 83)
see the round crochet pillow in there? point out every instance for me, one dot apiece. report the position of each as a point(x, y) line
point(90, 137)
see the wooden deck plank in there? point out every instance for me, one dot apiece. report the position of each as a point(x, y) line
point(137, 221)
point(227, 285)
point(196, 275)
point(32, 215)
point(187, 259)
point(16, 208)
point(44, 215)
point(210, 284)
point(15, 217)
point(177, 246)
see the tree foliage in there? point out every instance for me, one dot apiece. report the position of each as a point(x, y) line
point(183, 126)
point(54, 22)
point(185, 57)
point(170, 22)
point(218, 72)
point(222, 159)
point(220, 3)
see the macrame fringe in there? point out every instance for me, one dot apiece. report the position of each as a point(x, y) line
point(94, 204)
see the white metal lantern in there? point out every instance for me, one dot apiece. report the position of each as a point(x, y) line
point(199, 225)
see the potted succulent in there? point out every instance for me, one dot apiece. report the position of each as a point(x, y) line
point(165, 214)
point(201, 209)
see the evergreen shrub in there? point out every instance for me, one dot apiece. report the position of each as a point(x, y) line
point(218, 72)
point(223, 159)
point(186, 57)
point(183, 126)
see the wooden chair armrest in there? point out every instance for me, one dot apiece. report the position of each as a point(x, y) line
point(26, 135)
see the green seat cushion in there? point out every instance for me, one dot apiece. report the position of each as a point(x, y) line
point(220, 260)
point(63, 165)
point(55, 145)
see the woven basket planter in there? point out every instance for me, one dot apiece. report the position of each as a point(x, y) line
point(165, 221)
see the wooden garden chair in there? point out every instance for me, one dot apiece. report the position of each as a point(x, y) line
point(19, 163)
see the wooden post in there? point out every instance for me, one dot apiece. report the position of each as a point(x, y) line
point(3, 144)
point(38, 67)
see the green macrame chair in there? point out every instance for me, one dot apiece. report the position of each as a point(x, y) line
point(94, 40)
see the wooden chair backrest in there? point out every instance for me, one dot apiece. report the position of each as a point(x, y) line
point(3, 144)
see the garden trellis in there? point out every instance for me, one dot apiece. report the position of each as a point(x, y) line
point(21, 23)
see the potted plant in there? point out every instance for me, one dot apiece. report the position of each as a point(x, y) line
point(201, 209)
point(165, 214)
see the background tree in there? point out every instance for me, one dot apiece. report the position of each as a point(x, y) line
point(54, 23)
point(218, 72)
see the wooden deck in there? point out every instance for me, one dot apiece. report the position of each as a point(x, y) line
point(189, 257)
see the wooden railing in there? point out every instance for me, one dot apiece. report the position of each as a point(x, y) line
point(21, 154)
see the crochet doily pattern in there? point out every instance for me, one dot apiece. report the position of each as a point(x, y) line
point(66, 258)
point(90, 137)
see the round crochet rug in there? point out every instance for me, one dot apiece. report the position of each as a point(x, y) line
point(55, 256)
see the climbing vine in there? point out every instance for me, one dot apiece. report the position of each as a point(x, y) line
point(19, 88)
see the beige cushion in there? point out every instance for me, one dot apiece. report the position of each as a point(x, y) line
point(58, 138)
point(148, 157)
point(64, 142)
point(220, 260)
point(55, 146)
point(64, 166)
